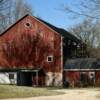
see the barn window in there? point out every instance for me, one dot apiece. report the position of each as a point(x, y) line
point(28, 24)
point(49, 58)
point(11, 76)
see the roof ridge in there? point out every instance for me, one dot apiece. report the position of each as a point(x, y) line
point(58, 30)
point(61, 31)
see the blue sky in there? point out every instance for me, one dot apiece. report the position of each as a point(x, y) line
point(49, 10)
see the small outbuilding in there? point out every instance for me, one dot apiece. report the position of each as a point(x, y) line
point(82, 72)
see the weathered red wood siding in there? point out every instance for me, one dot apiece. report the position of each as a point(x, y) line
point(75, 76)
point(97, 78)
point(72, 76)
point(47, 34)
point(41, 79)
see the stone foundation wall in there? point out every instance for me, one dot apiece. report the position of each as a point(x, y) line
point(53, 79)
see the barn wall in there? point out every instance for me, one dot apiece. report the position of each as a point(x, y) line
point(75, 79)
point(97, 78)
point(53, 79)
point(72, 77)
point(5, 79)
point(48, 36)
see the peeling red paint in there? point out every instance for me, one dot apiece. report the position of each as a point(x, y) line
point(75, 76)
point(48, 37)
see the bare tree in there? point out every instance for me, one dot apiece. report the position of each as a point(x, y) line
point(20, 9)
point(4, 12)
point(87, 32)
point(12, 10)
point(85, 8)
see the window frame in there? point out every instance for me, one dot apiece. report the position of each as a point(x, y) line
point(11, 75)
point(51, 57)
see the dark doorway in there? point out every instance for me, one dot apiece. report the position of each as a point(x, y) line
point(31, 78)
point(27, 78)
point(84, 78)
point(24, 78)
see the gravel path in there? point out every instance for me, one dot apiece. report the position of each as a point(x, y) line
point(70, 94)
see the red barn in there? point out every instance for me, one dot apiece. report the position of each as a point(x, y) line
point(35, 51)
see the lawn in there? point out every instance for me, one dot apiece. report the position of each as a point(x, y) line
point(11, 91)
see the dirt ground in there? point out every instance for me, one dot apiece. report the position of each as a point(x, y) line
point(70, 94)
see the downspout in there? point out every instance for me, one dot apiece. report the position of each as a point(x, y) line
point(37, 78)
point(62, 58)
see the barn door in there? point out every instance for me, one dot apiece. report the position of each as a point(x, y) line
point(84, 78)
point(24, 79)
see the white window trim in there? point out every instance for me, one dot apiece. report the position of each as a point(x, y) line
point(51, 58)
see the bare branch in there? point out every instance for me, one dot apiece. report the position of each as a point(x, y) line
point(87, 8)
point(78, 13)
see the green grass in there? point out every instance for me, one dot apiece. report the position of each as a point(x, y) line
point(11, 91)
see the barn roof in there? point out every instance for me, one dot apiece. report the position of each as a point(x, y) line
point(82, 63)
point(61, 31)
